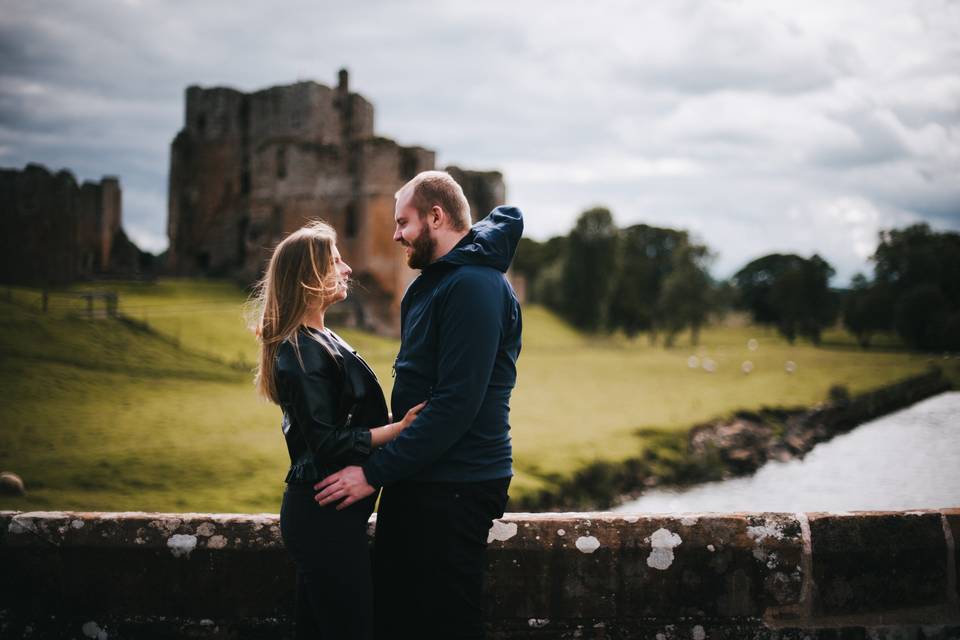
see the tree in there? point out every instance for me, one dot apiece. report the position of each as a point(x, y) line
point(789, 292)
point(755, 282)
point(723, 298)
point(922, 316)
point(646, 259)
point(589, 268)
point(685, 298)
point(915, 255)
point(548, 288)
point(528, 260)
point(533, 258)
point(867, 309)
point(919, 270)
point(603, 278)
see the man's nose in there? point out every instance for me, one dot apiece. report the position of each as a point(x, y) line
point(396, 235)
point(346, 269)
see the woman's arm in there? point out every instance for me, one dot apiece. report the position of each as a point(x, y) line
point(313, 392)
point(380, 436)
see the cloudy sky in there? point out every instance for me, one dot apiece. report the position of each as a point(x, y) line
point(789, 126)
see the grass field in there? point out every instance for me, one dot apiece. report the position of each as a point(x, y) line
point(159, 413)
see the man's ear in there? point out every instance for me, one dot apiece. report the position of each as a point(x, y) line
point(436, 216)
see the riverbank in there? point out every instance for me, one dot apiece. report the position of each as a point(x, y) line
point(734, 446)
point(901, 461)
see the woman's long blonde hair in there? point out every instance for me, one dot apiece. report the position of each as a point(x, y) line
point(301, 275)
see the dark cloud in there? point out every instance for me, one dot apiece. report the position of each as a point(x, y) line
point(872, 140)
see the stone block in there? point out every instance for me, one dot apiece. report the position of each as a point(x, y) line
point(611, 567)
point(952, 517)
point(873, 563)
point(148, 564)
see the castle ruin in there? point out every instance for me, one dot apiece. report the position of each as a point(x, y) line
point(56, 231)
point(248, 168)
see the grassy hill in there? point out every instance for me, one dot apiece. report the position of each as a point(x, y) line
point(156, 411)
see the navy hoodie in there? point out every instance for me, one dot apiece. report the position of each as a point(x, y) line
point(459, 341)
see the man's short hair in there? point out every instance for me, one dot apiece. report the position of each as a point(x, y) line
point(438, 188)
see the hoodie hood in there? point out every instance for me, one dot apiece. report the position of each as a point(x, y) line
point(491, 242)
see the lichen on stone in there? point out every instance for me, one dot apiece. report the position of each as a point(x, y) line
point(501, 531)
point(587, 544)
point(181, 544)
point(662, 543)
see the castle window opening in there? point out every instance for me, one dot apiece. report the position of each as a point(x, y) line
point(281, 162)
point(202, 123)
point(240, 254)
point(408, 166)
point(350, 226)
point(255, 230)
point(276, 221)
point(245, 182)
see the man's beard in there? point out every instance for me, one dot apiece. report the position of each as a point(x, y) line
point(423, 246)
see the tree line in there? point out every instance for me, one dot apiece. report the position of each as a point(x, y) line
point(656, 280)
point(915, 290)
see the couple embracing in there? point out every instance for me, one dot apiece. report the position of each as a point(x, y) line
point(443, 469)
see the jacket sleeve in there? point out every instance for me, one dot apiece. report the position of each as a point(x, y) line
point(312, 395)
point(470, 322)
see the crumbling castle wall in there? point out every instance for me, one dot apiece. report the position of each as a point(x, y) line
point(484, 189)
point(56, 231)
point(248, 168)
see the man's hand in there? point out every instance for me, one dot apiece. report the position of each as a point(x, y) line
point(348, 484)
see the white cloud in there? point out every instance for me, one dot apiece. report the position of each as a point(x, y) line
point(147, 239)
point(846, 227)
point(597, 171)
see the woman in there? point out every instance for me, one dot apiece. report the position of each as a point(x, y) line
point(332, 411)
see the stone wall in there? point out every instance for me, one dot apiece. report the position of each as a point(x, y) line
point(484, 189)
point(248, 168)
point(56, 231)
point(574, 575)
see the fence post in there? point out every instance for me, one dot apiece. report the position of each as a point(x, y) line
point(89, 298)
point(46, 300)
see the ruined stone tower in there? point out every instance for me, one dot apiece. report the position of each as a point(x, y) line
point(247, 168)
point(56, 231)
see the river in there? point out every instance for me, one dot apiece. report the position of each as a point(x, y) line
point(906, 460)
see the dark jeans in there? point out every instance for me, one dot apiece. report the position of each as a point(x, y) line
point(330, 551)
point(430, 557)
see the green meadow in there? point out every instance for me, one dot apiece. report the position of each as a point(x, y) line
point(155, 410)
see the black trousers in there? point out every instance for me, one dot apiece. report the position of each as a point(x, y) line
point(430, 557)
point(330, 551)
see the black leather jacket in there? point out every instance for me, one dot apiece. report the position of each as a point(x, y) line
point(329, 404)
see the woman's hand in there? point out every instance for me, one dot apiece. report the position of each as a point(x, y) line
point(382, 435)
point(411, 416)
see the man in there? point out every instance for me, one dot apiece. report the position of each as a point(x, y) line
point(445, 477)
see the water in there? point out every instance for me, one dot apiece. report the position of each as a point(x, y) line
point(905, 460)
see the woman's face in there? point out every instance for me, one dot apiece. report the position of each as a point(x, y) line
point(343, 275)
